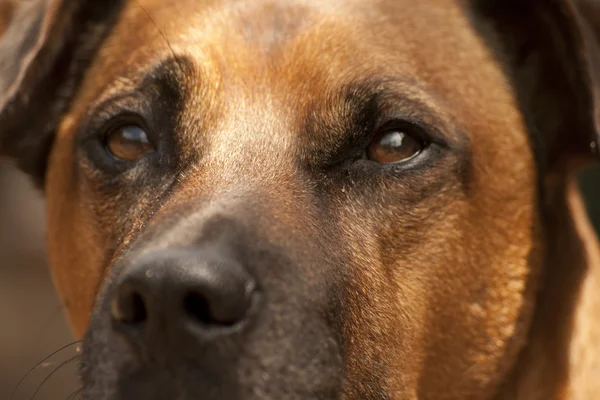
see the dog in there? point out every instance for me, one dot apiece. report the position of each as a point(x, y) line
point(337, 199)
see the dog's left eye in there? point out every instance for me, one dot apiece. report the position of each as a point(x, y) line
point(394, 146)
point(128, 142)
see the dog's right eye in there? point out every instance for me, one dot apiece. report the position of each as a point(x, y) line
point(395, 146)
point(128, 142)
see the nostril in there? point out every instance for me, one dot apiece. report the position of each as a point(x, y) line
point(224, 308)
point(138, 309)
point(197, 308)
point(129, 307)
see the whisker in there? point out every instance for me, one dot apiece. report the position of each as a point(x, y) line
point(74, 395)
point(40, 363)
point(162, 33)
point(46, 379)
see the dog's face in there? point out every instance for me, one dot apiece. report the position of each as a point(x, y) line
point(299, 200)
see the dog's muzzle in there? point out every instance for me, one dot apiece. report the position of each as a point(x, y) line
point(224, 315)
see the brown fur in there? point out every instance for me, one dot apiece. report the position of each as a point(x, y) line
point(474, 286)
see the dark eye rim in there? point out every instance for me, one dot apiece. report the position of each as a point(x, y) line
point(409, 129)
point(422, 134)
point(97, 153)
point(354, 154)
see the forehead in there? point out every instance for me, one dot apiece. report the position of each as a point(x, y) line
point(249, 59)
point(273, 42)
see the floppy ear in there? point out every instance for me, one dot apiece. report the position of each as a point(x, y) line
point(45, 47)
point(551, 57)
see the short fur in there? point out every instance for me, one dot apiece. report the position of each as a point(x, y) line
point(471, 275)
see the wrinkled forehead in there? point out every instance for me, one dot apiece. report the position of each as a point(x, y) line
point(270, 43)
point(260, 57)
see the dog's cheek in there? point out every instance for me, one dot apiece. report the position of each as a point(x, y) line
point(384, 319)
point(479, 293)
point(482, 259)
point(75, 249)
point(436, 304)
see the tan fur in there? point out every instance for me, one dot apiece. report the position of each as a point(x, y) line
point(461, 293)
point(6, 13)
point(584, 360)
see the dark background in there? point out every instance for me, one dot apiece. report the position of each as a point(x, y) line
point(32, 324)
point(590, 185)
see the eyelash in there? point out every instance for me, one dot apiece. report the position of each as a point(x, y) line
point(425, 131)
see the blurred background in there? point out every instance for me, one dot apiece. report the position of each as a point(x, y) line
point(590, 184)
point(33, 326)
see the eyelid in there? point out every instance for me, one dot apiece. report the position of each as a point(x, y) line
point(105, 112)
point(110, 114)
point(418, 104)
point(129, 108)
point(124, 119)
point(424, 122)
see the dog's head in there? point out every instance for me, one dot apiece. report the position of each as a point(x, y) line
point(298, 199)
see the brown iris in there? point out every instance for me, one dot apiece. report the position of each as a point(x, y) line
point(128, 143)
point(394, 146)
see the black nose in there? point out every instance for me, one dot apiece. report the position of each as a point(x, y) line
point(176, 295)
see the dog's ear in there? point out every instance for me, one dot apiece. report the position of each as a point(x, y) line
point(551, 56)
point(45, 47)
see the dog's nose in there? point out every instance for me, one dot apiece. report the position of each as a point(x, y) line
point(184, 293)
